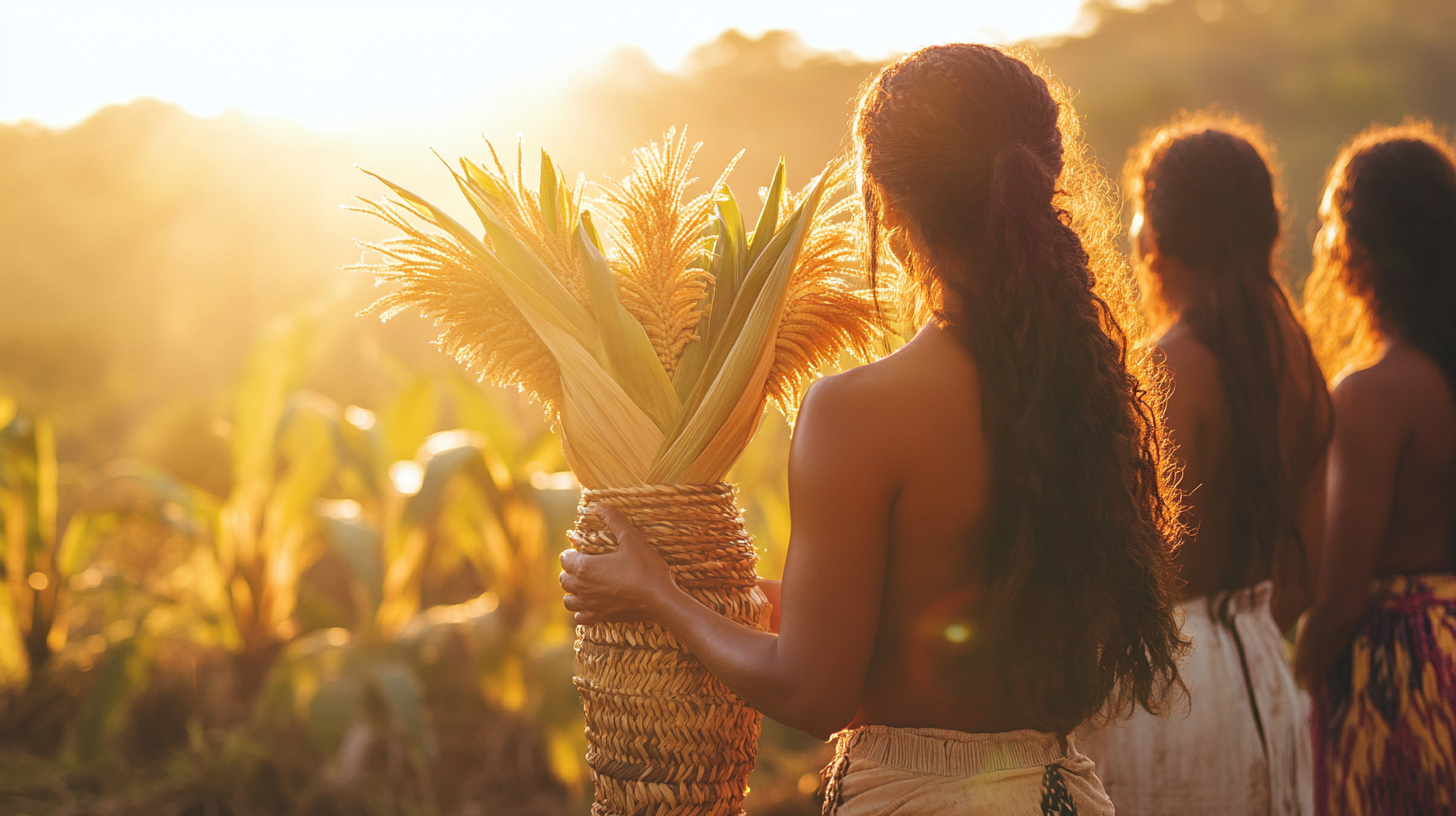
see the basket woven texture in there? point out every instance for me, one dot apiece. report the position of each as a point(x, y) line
point(665, 736)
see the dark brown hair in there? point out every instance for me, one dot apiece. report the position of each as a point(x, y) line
point(970, 147)
point(1205, 186)
point(1385, 262)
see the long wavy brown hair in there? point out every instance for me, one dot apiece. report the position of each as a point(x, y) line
point(1385, 259)
point(1206, 186)
point(1010, 230)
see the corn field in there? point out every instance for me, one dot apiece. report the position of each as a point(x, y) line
point(368, 622)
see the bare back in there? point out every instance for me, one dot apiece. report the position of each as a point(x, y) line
point(925, 405)
point(1404, 404)
point(1391, 495)
point(1199, 422)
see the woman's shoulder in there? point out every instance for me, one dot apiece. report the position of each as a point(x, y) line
point(927, 375)
point(1181, 350)
point(1401, 380)
point(933, 361)
point(1396, 374)
point(1197, 393)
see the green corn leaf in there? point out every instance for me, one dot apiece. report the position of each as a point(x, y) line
point(630, 357)
point(729, 252)
point(768, 217)
point(548, 190)
point(482, 179)
point(102, 711)
point(753, 283)
point(591, 232)
point(731, 307)
point(402, 693)
point(690, 366)
point(566, 198)
point(359, 546)
point(750, 333)
point(733, 218)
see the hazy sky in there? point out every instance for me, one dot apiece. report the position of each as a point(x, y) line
point(348, 65)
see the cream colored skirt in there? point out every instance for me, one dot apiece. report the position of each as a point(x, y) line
point(879, 770)
point(1238, 745)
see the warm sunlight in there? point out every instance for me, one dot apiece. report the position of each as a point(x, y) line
point(398, 401)
point(343, 65)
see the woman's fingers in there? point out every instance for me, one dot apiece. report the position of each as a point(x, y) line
point(574, 562)
point(574, 603)
point(617, 521)
point(572, 584)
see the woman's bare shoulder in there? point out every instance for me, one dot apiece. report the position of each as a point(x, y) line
point(932, 361)
point(1193, 365)
point(929, 373)
point(1396, 375)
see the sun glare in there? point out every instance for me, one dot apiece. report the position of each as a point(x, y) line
point(346, 66)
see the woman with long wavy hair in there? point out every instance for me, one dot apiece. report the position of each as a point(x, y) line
point(1250, 417)
point(1378, 646)
point(982, 522)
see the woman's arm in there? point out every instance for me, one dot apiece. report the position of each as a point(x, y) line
point(1361, 485)
point(811, 674)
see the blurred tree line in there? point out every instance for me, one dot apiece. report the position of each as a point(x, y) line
point(224, 548)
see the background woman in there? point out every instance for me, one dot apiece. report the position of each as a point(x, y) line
point(1250, 417)
point(981, 534)
point(1378, 647)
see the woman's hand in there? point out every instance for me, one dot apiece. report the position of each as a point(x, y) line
point(631, 584)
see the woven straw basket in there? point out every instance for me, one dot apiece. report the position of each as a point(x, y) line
point(664, 735)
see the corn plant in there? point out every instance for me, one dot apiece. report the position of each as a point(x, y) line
point(63, 595)
point(402, 527)
point(655, 355)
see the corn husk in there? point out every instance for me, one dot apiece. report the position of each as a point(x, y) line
point(655, 355)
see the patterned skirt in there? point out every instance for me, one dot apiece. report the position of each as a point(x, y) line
point(1384, 718)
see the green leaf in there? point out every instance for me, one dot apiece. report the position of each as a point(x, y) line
point(591, 232)
point(768, 217)
point(333, 709)
point(77, 545)
point(410, 418)
point(733, 319)
point(548, 190)
point(273, 372)
point(14, 663)
point(479, 410)
point(441, 468)
point(731, 362)
point(732, 268)
point(103, 710)
point(482, 179)
point(630, 358)
point(404, 698)
point(358, 545)
point(47, 486)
